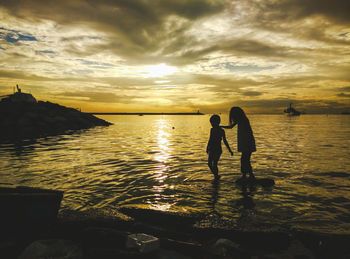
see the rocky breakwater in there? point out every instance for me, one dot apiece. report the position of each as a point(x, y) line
point(22, 117)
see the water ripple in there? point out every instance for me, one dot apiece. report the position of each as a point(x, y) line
point(144, 162)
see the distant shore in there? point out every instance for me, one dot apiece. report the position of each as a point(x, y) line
point(145, 113)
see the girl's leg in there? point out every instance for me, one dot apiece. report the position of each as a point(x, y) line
point(213, 160)
point(215, 168)
point(246, 167)
point(210, 161)
point(215, 165)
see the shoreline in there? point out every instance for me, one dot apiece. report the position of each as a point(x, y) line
point(102, 234)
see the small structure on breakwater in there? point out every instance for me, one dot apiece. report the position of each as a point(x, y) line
point(19, 97)
point(23, 117)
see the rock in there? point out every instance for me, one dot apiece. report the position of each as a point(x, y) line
point(295, 250)
point(143, 243)
point(114, 253)
point(104, 237)
point(8, 249)
point(23, 120)
point(226, 248)
point(59, 119)
point(32, 116)
point(162, 218)
point(53, 249)
point(193, 249)
point(274, 240)
point(20, 97)
point(170, 254)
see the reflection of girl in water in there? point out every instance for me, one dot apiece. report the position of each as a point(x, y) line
point(245, 139)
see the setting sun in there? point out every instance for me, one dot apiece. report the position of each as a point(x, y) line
point(158, 71)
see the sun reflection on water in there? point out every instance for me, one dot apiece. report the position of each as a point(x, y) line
point(162, 157)
point(162, 141)
point(163, 207)
point(163, 150)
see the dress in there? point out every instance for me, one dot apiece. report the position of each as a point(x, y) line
point(245, 137)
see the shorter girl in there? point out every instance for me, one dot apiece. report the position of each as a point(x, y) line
point(245, 139)
point(214, 149)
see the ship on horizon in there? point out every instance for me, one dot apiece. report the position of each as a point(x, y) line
point(290, 111)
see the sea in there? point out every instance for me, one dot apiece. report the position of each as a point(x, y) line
point(159, 162)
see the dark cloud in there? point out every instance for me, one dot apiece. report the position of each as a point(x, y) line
point(292, 17)
point(19, 75)
point(336, 10)
point(252, 93)
point(237, 47)
point(135, 27)
point(98, 96)
point(221, 85)
point(252, 47)
point(343, 95)
point(266, 103)
point(138, 29)
point(344, 89)
point(240, 47)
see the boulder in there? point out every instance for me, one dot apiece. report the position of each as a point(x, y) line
point(28, 120)
point(52, 248)
point(226, 248)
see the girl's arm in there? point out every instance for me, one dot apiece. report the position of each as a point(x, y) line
point(226, 143)
point(209, 141)
point(229, 126)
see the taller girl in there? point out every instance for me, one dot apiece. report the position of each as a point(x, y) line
point(245, 139)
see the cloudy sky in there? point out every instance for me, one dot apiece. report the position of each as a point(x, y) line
point(178, 55)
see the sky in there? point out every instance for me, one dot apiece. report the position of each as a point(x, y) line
point(178, 55)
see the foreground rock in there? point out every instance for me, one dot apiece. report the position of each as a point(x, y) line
point(97, 234)
point(52, 248)
point(22, 117)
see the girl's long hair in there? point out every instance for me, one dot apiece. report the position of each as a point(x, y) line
point(237, 115)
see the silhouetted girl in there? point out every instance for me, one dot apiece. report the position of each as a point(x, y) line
point(214, 149)
point(245, 139)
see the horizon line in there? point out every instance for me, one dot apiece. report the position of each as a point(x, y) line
point(146, 113)
point(198, 113)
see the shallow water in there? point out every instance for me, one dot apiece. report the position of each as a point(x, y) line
point(159, 162)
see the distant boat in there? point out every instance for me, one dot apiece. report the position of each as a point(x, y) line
point(290, 111)
point(28, 205)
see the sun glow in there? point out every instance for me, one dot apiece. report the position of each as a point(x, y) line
point(163, 142)
point(159, 70)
